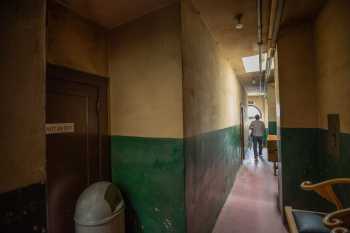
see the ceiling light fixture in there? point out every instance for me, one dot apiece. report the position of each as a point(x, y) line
point(239, 24)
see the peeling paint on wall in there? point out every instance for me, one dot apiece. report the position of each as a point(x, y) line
point(150, 173)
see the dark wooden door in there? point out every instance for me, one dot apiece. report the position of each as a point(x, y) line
point(77, 152)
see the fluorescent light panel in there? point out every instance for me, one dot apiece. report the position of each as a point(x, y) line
point(251, 63)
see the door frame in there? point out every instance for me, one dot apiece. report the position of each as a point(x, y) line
point(102, 84)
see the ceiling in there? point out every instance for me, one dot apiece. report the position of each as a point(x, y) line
point(300, 10)
point(219, 16)
point(111, 13)
point(236, 44)
point(251, 82)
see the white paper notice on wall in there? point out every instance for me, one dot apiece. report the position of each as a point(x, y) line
point(59, 128)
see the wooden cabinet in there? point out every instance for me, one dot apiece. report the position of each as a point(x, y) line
point(272, 141)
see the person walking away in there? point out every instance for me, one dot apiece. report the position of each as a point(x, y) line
point(257, 128)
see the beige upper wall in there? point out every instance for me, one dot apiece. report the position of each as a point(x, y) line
point(332, 40)
point(74, 42)
point(277, 91)
point(212, 93)
point(297, 77)
point(22, 84)
point(146, 76)
point(266, 110)
point(271, 101)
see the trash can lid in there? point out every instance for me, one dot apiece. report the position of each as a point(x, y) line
point(98, 203)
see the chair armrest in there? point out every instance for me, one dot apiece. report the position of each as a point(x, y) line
point(325, 189)
point(338, 220)
point(290, 220)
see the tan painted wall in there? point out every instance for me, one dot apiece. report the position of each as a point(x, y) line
point(277, 92)
point(146, 76)
point(319, 83)
point(271, 100)
point(332, 40)
point(74, 42)
point(22, 67)
point(297, 77)
point(212, 93)
point(266, 111)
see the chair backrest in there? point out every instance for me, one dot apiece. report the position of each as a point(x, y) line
point(325, 189)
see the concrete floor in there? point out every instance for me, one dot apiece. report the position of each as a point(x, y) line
point(251, 206)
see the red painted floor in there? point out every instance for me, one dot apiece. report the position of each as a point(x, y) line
point(251, 206)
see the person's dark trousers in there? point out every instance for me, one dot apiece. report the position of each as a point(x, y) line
point(256, 141)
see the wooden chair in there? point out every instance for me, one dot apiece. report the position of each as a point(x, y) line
point(301, 221)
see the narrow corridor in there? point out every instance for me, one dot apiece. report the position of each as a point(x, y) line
point(252, 203)
point(157, 98)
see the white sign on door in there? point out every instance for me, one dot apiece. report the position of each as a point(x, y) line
point(59, 128)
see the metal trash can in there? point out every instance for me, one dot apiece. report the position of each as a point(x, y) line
point(100, 209)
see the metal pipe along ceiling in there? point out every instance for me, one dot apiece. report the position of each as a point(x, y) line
point(259, 39)
point(274, 24)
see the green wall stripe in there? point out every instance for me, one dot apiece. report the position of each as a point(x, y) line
point(304, 157)
point(299, 148)
point(150, 173)
point(212, 162)
point(272, 127)
point(331, 167)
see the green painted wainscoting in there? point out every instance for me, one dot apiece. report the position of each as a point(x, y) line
point(272, 127)
point(305, 157)
point(212, 162)
point(299, 163)
point(333, 167)
point(150, 173)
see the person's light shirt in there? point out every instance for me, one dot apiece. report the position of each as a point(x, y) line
point(258, 128)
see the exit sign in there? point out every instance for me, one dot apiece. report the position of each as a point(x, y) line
point(59, 128)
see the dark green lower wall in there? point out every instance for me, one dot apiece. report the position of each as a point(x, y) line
point(150, 173)
point(304, 157)
point(272, 127)
point(299, 151)
point(212, 161)
point(335, 167)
